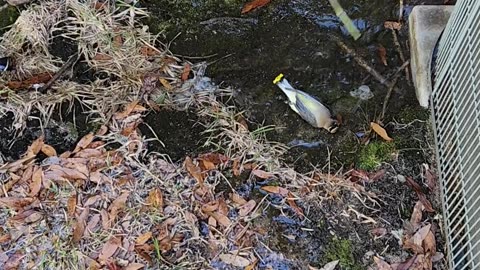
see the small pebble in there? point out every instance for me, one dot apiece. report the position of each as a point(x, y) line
point(401, 178)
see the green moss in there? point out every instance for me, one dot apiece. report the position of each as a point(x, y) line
point(7, 17)
point(374, 153)
point(342, 250)
point(409, 114)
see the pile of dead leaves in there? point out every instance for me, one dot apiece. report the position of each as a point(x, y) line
point(419, 238)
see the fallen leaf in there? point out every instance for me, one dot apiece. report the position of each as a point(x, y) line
point(5, 238)
point(14, 261)
point(166, 84)
point(142, 239)
point(92, 223)
point(253, 5)
point(252, 265)
point(429, 243)
point(99, 178)
point(294, 206)
point(234, 260)
point(86, 140)
point(208, 165)
point(155, 199)
point(416, 217)
point(14, 202)
point(262, 174)
point(210, 206)
point(118, 204)
point(245, 209)
point(380, 131)
point(236, 167)
point(186, 72)
point(407, 264)
point(377, 175)
point(222, 219)
point(130, 108)
point(194, 170)
point(330, 266)
point(118, 40)
point(79, 227)
point(423, 198)
point(36, 184)
point(102, 131)
point(148, 51)
point(109, 248)
point(72, 205)
point(276, 190)
point(415, 243)
point(437, 257)
point(382, 53)
point(381, 264)
point(35, 147)
point(102, 57)
point(236, 198)
point(135, 266)
point(48, 150)
point(358, 175)
point(392, 25)
point(25, 84)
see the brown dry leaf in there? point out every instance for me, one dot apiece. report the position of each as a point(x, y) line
point(5, 238)
point(102, 131)
point(392, 25)
point(222, 219)
point(106, 222)
point(65, 154)
point(86, 140)
point(109, 248)
point(276, 190)
point(148, 51)
point(407, 264)
point(429, 243)
point(56, 172)
point(118, 204)
point(96, 144)
point(431, 179)
point(194, 170)
point(132, 107)
point(420, 235)
point(14, 261)
point(135, 266)
point(35, 147)
point(155, 199)
point(381, 264)
point(236, 198)
point(236, 167)
point(79, 228)
point(99, 178)
point(294, 206)
point(247, 208)
point(382, 53)
point(210, 207)
point(234, 260)
point(418, 189)
point(14, 202)
point(166, 84)
point(416, 217)
point(36, 183)
point(208, 165)
point(72, 205)
point(36, 79)
point(48, 150)
point(102, 57)
point(118, 40)
point(142, 239)
point(380, 131)
point(262, 174)
point(186, 72)
point(253, 5)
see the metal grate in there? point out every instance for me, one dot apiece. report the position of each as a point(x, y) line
point(456, 113)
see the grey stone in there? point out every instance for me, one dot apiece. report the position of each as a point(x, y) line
point(426, 25)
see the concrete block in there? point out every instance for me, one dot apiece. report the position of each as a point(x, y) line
point(426, 23)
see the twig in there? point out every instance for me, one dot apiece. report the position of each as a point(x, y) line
point(395, 78)
point(400, 12)
point(62, 71)
point(379, 77)
point(400, 52)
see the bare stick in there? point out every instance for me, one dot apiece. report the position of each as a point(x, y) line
point(400, 52)
point(379, 77)
point(395, 78)
point(62, 71)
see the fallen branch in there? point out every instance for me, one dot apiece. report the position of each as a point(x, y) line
point(395, 78)
point(60, 73)
point(400, 52)
point(379, 77)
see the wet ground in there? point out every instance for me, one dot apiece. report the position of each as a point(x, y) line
point(294, 37)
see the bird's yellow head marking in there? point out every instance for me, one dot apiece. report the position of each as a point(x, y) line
point(278, 78)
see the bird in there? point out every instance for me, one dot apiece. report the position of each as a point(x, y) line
point(308, 107)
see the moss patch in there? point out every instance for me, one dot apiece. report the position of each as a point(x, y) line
point(373, 154)
point(409, 114)
point(342, 250)
point(7, 17)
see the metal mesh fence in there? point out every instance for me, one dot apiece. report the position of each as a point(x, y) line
point(456, 113)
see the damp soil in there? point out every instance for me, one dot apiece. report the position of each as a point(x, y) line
point(247, 52)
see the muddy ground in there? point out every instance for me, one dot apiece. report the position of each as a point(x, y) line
point(246, 52)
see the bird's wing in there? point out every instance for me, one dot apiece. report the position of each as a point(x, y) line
point(306, 107)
